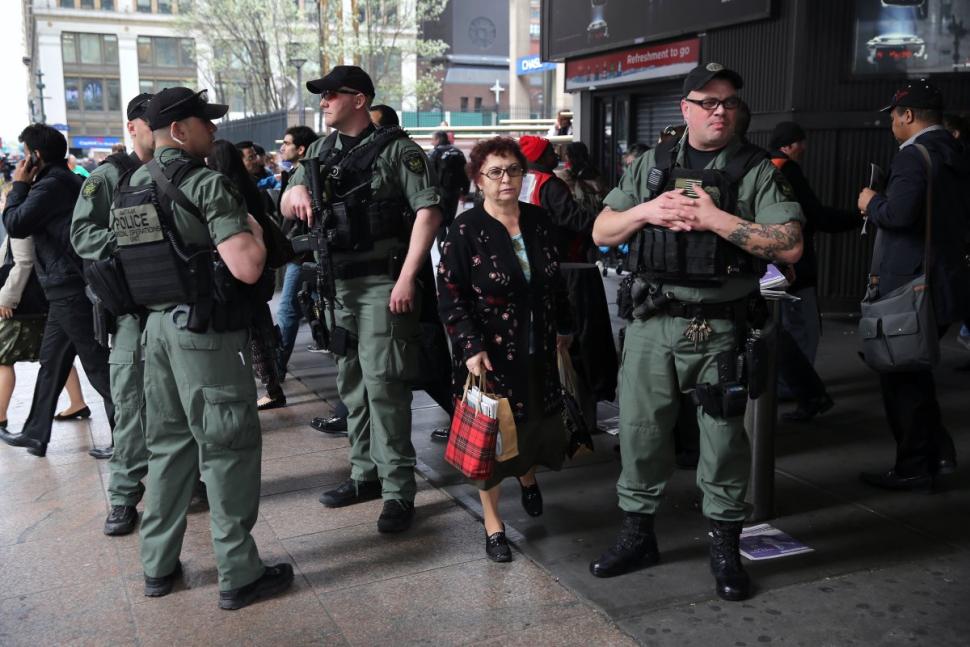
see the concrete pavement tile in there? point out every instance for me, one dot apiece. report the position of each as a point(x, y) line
point(40, 520)
point(294, 617)
point(442, 535)
point(93, 613)
point(48, 482)
point(466, 603)
point(68, 560)
point(911, 604)
point(311, 471)
point(299, 439)
point(586, 627)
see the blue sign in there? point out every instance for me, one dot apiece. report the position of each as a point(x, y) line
point(532, 65)
point(94, 142)
point(61, 127)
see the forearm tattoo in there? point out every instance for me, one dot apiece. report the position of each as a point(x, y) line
point(766, 241)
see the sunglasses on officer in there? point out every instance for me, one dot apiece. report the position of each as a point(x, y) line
point(330, 95)
point(202, 96)
point(711, 103)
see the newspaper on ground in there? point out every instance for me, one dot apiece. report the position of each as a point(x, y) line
point(767, 542)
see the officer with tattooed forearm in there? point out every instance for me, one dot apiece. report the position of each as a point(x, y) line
point(702, 214)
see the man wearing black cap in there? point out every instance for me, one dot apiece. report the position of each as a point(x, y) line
point(93, 240)
point(200, 394)
point(694, 297)
point(800, 318)
point(387, 214)
point(924, 448)
point(40, 205)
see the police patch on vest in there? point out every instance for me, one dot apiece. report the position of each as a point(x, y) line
point(136, 225)
point(92, 186)
point(784, 186)
point(414, 162)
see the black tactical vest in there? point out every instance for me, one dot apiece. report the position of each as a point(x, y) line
point(700, 258)
point(158, 267)
point(355, 220)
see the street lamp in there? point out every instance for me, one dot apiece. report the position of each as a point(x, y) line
point(298, 63)
point(26, 60)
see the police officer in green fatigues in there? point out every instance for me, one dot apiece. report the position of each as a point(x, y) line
point(191, 255)
point(94, 241)
point(384, 217)
point(699, 254)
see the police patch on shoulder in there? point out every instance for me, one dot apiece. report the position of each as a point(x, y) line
point(414, 162)
point(91, 186)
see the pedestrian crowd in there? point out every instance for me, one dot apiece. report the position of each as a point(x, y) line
point(156, 269)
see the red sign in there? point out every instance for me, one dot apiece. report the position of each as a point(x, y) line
point(634, 64)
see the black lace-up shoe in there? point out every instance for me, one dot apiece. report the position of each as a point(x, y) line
point(121, 520)
point(531, 499)
point(396, 516)
point(635, 546)
point(733, 583)
point(156, 587)
point(350, 492)
point(274, 580)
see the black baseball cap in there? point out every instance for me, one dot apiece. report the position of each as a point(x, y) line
point(703, 74)
point(916, 94)
point(348, 77)
point(786, 133)
point(175, 104)
point(138, 106)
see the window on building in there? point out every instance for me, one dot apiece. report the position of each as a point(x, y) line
point(92, 93)
point(164, 6)
point(86, 4)
point(89, 49)
point(478, 104)
point(113, 94)
point(71, 94)
point(108, 5)
point(464, 104)
point(143, 6)
point(67, 4)
point(68, 48)
point(166, 52)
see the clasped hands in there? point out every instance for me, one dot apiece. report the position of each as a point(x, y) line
point(677, 211)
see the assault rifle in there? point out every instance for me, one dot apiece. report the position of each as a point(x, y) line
point(318, 313)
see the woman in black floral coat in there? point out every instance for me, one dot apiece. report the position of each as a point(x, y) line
point(503, 302)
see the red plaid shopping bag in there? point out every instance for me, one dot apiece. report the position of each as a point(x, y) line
point(471, 443)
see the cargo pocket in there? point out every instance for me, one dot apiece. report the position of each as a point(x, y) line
point(404, 351)
point(229, 419)
point(123, 371)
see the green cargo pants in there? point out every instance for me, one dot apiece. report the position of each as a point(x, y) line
point(374, 381)
point(129, 463)
point(659, 363)
point(201, 413)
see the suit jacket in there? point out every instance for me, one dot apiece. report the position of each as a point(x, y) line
point(901, 218)
point(486, 303)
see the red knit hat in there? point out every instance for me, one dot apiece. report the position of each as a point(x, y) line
point(533, 147)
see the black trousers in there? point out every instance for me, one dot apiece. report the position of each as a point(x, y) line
point(797, 372)
point(915, 421)
point(69, 332)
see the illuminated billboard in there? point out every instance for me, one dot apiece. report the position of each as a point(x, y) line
point(911, 37)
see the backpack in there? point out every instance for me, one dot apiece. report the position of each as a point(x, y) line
point(449, 166)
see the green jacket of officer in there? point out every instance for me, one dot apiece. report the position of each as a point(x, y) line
point(377, 293)
point(690, 338)
point(93, 240)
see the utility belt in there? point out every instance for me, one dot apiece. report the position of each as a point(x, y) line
point(389, 267)
point(217, 317)
point(742, 371)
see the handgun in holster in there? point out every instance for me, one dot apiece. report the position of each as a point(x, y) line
point(729, 397)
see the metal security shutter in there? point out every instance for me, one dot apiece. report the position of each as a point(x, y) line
point(655, 111)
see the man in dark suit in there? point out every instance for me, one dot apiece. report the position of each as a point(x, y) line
point(924, 449)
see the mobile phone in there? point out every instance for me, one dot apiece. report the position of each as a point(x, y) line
point(32, 160)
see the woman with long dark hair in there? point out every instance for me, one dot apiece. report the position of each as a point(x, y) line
point(264, 336)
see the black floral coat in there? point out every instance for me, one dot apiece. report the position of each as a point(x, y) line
point(485, 302)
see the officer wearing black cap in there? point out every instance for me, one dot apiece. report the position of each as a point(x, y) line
point(924, 448)
point(382, 196)
point(701, 214)
point(93, 240)
point(190, 255)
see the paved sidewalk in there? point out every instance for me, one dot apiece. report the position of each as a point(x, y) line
point(64, 583)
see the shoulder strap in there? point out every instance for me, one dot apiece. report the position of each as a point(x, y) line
point(363, 157)
point(928, 249)
point(745, 159)
point(170, 190)
point(328, 143)
point(123, 162)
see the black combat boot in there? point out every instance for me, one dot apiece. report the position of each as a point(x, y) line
point(733, 582)
point(636, 545)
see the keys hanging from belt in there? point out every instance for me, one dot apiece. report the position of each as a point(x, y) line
point(698, 330)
